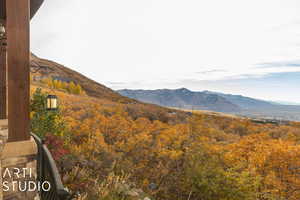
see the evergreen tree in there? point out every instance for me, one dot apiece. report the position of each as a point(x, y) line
point(43, 121)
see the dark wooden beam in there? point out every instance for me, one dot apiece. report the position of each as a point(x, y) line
point(18, 17)
point(34, 7)
point(3, 79)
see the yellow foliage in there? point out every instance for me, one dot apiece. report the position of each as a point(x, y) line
point(158, 151)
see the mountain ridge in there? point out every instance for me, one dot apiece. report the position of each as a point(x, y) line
point(243, 101)
point(182, 98)
point(228, 103)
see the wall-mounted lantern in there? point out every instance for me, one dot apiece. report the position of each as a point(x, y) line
point(2, 31)
point(52, 103)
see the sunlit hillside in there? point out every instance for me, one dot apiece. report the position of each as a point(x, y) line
point(111, 147)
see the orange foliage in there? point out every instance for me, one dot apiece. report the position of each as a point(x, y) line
point(155, 146)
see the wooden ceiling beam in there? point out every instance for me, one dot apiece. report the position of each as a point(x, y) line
point(34, 7)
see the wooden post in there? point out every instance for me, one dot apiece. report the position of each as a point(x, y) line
point(17, 19)
point(3, 78)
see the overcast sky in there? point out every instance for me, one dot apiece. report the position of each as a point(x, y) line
point(248, 47)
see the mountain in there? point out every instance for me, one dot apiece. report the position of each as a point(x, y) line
point(214, 101)
point(183, 98)
point(243, 102)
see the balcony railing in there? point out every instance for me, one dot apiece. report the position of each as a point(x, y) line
point(47, 171)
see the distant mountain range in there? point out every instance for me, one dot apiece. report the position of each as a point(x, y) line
point(183, 98)
point(214, 101)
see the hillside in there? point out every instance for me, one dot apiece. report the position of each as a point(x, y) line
point(111, 147)
point(44, 69)
point(119, 156)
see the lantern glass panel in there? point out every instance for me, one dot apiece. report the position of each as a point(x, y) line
point(48, 103)
point(2, 30)
point(52, 102)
